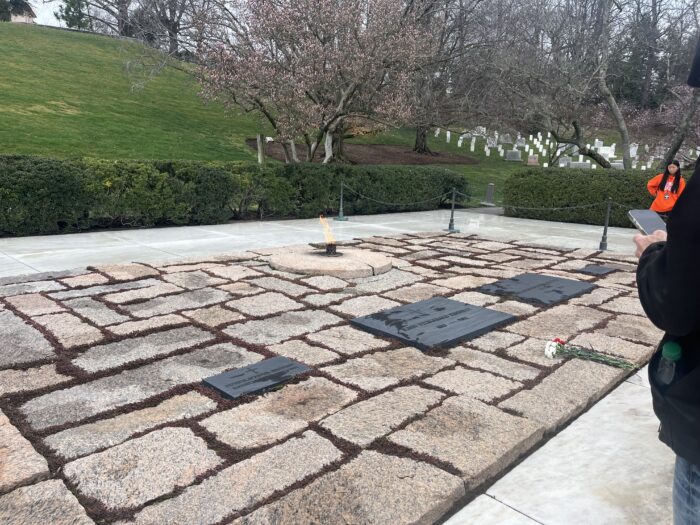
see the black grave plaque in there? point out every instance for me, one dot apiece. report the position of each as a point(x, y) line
point(433, 323)
point(538, 289)
point(256, 378)
point(595, 269)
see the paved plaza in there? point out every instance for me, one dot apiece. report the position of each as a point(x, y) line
point(105, 418)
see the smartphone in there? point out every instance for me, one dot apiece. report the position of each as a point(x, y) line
point(646, 221)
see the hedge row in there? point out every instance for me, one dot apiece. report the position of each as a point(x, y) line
point(564, 188)
point(43, 196)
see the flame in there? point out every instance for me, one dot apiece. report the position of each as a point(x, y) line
point(327, 230)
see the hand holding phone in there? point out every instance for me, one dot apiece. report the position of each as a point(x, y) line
point(647, 221)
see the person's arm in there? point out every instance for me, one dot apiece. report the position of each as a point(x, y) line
point(681, 186)
point(668, 276)
point(653, 185)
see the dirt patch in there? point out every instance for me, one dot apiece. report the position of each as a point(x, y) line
point(375, 154)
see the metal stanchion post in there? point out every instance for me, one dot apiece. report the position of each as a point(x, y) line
point(451, 226)
point(340, 216)
point(604, 240)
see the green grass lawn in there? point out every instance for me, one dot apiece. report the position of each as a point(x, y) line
point(67, 94)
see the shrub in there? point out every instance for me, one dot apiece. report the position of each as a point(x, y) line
point(567, 188)
point(40, 195)
point(52, 196)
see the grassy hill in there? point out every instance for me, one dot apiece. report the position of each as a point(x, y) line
point(67, 94)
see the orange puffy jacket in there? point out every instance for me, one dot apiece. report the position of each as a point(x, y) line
point(665, 200)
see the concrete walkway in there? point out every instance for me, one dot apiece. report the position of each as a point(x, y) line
point(26, 255)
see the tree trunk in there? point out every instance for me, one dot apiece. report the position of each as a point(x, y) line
point(576, 139)
point(339, 144)
point(421, 144)
point(329, 147)
point(293, 147)
point(604, 50)
point(261, 149)
point(123, 22)
point(172, 41)
point(287, 153)
point(682, 128)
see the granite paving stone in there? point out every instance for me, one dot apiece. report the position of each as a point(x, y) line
point(91, 291)
point(21, 343)
point(625, 305)
point(304, 352)
point(497, 257)
point(282, 327)
point(635, 328)
point(278, 414)
point(565, 393)
point(241, 289)
point(193, 280)
point(140, 470)
point(34, 304)
point(634, 352)
point(418, 292)
point(214, 316)
point(475, 298)
point(279, 285)
point(182, 301)
point(234, 272)
point(132, 386)
point(146, 292)
point(492, 363)
point(473, 383)
point(360, 306)
point(364, 422)
point(325, 299)
point(530, 264)
point(463, 282)
point(327, 283)
point(127, 272)
point(478, 439)
point(563, 321)
point(69, 330)
point(78, 441)
point(465, 259)
point(420, 254)
point(88, 279)
point(13, 381)
point(373, 488)
point(159, 321)
point(213, 500)
point(495, 341)
point(596, 297)
point(382, 369)
point(386, 281)
point(435, 263)
point(20, 464)
point(264, 304)
point(515, 308)
point(348, 340)
point(30, 287)
point(491, 246)
point(48, 502)
point(178, 268)
point(96, 311)
point(112, 355)
point(532, 351)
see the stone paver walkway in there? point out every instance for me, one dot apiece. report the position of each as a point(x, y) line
point(104, 416)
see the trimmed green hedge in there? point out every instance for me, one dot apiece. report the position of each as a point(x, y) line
point(563, 187)
point(42, 196)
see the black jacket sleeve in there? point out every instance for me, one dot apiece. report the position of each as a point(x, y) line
point(668, 275)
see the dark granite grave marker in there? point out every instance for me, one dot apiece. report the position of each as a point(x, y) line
point(256, 378)
point(538, 289)
point(595, 269)
point(433, 323)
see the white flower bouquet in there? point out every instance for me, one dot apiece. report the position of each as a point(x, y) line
point(558, 348)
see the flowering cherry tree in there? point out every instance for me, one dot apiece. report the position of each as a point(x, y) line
point(308, 66)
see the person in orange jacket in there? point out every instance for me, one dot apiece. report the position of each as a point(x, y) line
point(666, 187)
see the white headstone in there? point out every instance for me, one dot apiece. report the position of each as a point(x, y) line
point(597, 143)
point(580, 158)
point(459, 142)
point(448, 136)
point(471, 147)
point(269, 139)
point(530, 138)
point(437, 132)
point(633, 149)
point(644, 167)
point(593, 166)
point(545, 165)
point(488, 152)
